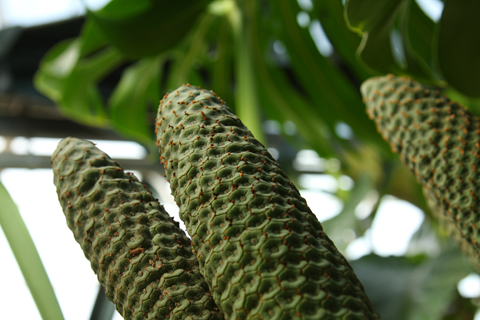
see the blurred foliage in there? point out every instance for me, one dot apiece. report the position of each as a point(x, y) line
point(416, 287)
point(267, 59)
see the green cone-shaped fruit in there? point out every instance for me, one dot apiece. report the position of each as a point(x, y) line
point(439, 140)
point(141, 257)
point(262, 251)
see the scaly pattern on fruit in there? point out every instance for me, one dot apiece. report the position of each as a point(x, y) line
point(261, 249)
point(439, 140)
point(141, 257)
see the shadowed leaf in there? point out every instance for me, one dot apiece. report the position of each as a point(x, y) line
point(147, 27)
point(374, 20)
point(458, 46)
point(345, 42)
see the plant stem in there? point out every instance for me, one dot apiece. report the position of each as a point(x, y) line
point(246, 104)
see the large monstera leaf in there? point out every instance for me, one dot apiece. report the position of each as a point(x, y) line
point(397, 36)
point(147, 27)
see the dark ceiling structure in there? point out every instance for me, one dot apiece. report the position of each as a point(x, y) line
point(23, 110)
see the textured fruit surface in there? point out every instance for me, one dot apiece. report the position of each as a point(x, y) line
point(262, 251)
point(141, 258)
point(439, 140)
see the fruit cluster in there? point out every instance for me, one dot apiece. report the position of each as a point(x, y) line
point(261, 249)
point(141, 257)
point(439, 140)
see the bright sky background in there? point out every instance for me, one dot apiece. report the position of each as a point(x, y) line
point(34, 193)
point(34, 12)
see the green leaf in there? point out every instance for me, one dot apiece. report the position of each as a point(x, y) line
point(185, 60)
point(401, 21)
point(331, 15)
point(374, 20)
point(148, 27)
point(136, 94)
point(278, 98)
point(124, 9)
point(222, 64)
point(416, 31)
point(91, 39)
point(27, 258)
point(69, 73)
point(402, 289)
point(458, 46)
point(419, 37)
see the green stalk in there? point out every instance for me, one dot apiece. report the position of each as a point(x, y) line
point(246, 105)
point(27, 258)
point(194, 50)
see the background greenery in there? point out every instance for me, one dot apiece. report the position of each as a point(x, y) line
point(260, 57)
